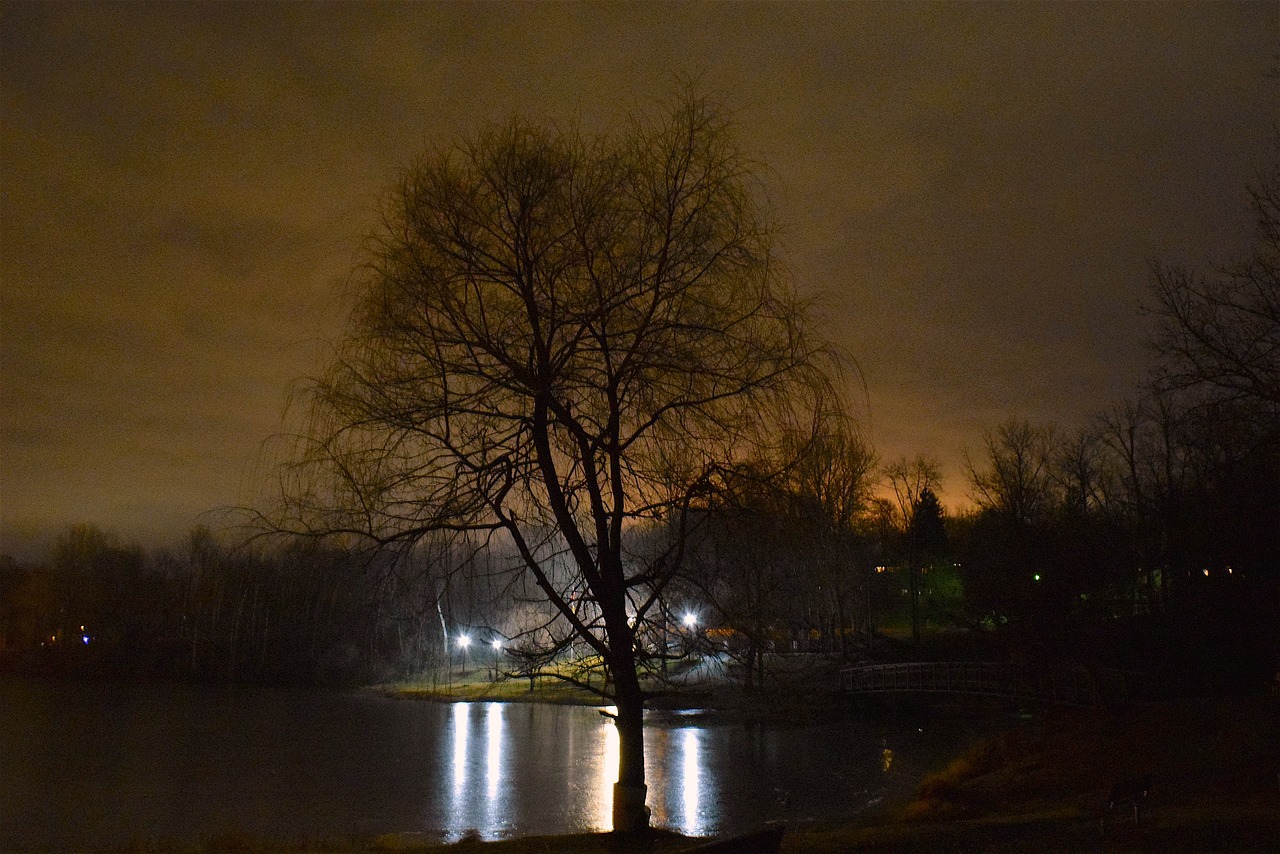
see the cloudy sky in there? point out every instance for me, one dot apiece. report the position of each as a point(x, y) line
point(974, 192)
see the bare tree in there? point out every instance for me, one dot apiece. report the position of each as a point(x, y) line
point(558, 338)
point(776, 553)
point(909, 478)
point(833, 473)
point(745, 561)
point(1013, 479)
point(911, 481)
point(834, 479)
point(1221, 332)
point(1079, 469)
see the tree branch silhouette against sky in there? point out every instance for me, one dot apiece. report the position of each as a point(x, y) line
point(973, 193)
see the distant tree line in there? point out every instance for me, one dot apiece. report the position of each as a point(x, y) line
point(287, 610)
point(1160, 518)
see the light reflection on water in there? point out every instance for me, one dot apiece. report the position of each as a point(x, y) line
point(606, 771)
point(475, 755)
point(102, 764)
point(493, 729)
point(461, 719)
point(480, 751)
point(673, 767)
point(690, 782)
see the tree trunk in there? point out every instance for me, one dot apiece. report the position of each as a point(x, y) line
point(629, 811)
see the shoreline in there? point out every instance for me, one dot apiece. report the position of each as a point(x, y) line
point(805, 695)
point(1214, 765)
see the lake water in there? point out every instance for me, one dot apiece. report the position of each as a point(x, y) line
point(91, 764)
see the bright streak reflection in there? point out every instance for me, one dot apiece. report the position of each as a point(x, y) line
point(682, 793)
point(609, 757)
point(493, 766)
point(689, 781)
point(461, 719)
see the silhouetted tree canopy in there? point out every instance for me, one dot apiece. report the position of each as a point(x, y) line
point(558, 337)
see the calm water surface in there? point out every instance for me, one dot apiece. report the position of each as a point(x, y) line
point(88, 764)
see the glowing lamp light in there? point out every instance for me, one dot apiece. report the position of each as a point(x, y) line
point(690, 620)
point(464, 641)
point(1036, 577)
point(497, 645)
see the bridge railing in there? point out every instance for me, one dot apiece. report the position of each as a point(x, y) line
point(1068, 685)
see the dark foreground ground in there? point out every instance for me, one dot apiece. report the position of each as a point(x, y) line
point(1214, 766)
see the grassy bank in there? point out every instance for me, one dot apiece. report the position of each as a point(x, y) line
point(477, 686)
point(800, 688)
point(1213, 766)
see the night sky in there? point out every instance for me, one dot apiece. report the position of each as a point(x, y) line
point(973, 193)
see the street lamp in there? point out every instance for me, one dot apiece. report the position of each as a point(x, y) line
point(464, 641)
point(690, 620)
